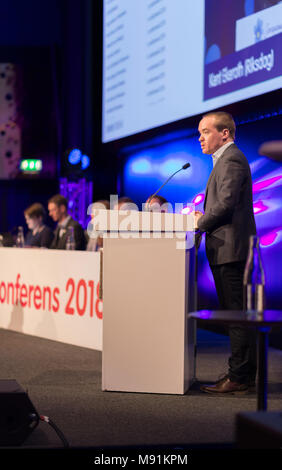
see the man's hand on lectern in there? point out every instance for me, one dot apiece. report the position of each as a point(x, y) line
point(197, 215)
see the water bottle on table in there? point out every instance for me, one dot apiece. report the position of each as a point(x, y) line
point(254, 278)
point(20, 238)
point(70, 245)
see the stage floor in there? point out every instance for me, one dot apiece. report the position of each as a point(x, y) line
point(64, 383)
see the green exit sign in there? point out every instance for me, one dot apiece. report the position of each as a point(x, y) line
point(31, 165)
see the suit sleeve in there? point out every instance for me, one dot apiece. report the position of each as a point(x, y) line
point(54, 240)
point(79, 237)
point(47, 238)
point(229, 183)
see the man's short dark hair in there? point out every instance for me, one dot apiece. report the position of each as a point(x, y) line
point(224, 120)
point(59, 200)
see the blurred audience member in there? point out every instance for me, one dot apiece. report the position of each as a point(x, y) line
point(58, 211)
point(124, 204)
point(39, 234)
point(157, 204)
point(95, 241)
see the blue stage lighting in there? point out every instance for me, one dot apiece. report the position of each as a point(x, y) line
point(74, 156)
point(170, 165)
point(141, 166)
point(85, 162)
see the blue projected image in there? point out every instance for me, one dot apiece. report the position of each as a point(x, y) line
point(213, 54)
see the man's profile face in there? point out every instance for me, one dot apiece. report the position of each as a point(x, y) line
point(210, 138)
point(54, 211)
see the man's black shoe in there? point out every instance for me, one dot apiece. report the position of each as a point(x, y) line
point(226, 386)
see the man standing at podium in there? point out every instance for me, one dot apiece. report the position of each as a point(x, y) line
point(228, 222)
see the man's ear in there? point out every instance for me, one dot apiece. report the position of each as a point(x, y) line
point(225, 134)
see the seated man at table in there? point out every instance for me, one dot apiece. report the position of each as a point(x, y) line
point(39, 234)
point(58, 211)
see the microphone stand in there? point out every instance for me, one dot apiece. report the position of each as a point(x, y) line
point(169, 178)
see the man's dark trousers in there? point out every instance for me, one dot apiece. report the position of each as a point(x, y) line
point(229, 287)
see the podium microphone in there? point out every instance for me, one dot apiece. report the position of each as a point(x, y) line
point(184, 167)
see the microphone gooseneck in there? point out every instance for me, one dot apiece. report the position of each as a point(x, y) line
point(184, 167)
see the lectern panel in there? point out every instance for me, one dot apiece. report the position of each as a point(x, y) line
point(145, 335)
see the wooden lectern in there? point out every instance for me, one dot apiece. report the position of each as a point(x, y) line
point(148, 282)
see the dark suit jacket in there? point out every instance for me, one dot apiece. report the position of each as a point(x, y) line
point(229, 218)
point(59, 243)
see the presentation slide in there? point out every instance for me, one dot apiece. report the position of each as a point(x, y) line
point(250, 55)
point(167, 60)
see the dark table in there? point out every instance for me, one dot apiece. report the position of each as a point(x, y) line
point(262, 321)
